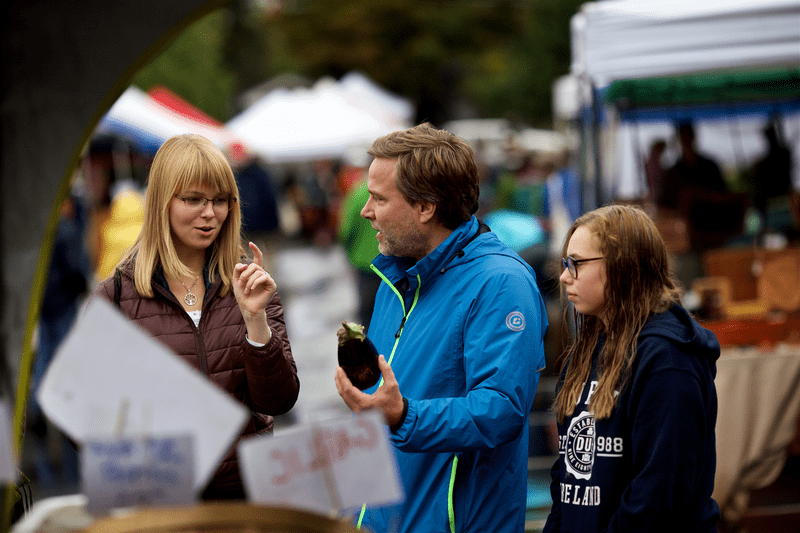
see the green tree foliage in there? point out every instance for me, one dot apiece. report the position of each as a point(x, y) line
point(422, 50)
point(452, 58)
point(488, 58)
point(516, 81)
point(193, 66)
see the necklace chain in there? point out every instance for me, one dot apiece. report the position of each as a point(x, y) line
point(189, 299)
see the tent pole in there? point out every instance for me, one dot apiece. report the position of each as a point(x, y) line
point(596, 131)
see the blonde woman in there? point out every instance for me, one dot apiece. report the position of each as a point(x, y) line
point(636, 402)
point(188, 282)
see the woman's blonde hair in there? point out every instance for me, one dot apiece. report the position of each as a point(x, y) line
point(638, 284)
point(184, 161)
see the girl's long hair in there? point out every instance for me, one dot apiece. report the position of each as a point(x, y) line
point(184, 161)
point(638, 283)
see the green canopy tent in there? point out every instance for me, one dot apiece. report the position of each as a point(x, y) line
point(775, 85)
point(739, 103)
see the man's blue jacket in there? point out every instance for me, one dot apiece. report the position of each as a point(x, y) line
point(463, 330)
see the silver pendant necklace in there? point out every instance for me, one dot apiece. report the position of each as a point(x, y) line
point(190, 299)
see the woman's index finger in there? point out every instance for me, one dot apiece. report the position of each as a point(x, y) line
point(258, 257)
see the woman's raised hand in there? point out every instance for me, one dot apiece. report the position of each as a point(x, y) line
point(253, 287)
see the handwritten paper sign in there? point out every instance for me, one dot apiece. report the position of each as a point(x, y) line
point(8, 474)
point(331, 465)
point(110, 378)
point(137, 472)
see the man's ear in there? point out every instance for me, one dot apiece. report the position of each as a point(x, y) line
point(426, 211)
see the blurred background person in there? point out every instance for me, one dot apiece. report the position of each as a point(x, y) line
point(654, 169)
point(355, 233)
point(772, 184)
point(521, 211)
point(523, 189)
point(693, 174)
point(116, 204)
point(259, 203)
point(55, 461)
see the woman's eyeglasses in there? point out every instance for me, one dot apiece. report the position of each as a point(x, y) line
point(571, 264)
point(223, 204)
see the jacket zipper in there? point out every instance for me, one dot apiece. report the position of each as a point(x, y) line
point(198, 338)
point(396, 342)
point(403, 304)
point(201, 352)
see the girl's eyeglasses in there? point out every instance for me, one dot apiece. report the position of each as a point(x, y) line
point(222, 204)
point(571, 264)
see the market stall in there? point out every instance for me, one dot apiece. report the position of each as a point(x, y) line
point(730, 67)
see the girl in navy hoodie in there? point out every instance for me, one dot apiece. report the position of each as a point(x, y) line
point(636, 403)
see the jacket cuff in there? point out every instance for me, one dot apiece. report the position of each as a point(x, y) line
point(254, 344)
point(259, 344)
point(397, 426)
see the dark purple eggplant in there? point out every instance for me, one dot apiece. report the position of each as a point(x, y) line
point(358, 356)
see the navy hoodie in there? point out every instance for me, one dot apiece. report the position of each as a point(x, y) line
point(650, 466)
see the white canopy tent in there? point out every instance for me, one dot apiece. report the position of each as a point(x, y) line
point(623, 39)
point(618, 40)
point(363, 93)
point(321, 122)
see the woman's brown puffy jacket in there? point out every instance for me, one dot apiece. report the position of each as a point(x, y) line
point(262, 378)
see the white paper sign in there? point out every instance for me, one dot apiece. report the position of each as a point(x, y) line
point(8, 463)
point(332, 465)
point(137, 472)
point(111, 379)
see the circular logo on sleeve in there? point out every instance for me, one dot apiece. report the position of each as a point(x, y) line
point(515, 321)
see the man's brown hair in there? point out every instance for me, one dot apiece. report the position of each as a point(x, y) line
point(433, 166)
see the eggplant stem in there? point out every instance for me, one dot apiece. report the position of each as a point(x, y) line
point(350, 331)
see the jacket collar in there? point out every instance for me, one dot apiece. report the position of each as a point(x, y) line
point(159, 282)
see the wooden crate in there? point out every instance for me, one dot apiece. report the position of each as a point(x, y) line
point(742, 267)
